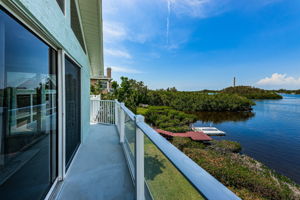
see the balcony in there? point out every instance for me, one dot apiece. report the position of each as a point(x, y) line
point(124, 158)
point(99, 170)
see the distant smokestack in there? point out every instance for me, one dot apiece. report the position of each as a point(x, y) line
point(108, 72)
point(234, 82)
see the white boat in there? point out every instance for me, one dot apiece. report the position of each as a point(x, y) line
point(209, 130)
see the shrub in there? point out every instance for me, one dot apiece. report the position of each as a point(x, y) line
point(226, 146)
point(168, 119)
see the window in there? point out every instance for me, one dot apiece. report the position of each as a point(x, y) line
point(61, 4)
point(28, 89)
point(103, 84)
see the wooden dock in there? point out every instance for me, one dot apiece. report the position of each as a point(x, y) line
point(197, 136)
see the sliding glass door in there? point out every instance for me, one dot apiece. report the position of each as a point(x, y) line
point(28, 112)
point(73, 117)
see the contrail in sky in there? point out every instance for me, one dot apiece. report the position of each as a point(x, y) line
point(168, 20)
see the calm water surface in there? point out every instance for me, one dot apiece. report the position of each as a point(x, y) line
point(271, 134)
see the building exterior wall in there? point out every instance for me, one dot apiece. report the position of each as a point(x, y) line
point(52, 20)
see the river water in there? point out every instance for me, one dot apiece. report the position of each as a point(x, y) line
point(270, 134)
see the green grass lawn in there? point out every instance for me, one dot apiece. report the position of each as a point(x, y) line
point(164, 180)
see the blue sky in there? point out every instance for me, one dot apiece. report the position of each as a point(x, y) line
point(203, 44)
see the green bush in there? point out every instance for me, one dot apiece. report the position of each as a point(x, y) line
point(226, 146)
point(182, 143)
point(168, 119)
point(245, 176)
point(237, 172)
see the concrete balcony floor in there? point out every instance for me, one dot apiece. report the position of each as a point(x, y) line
point(99, 170)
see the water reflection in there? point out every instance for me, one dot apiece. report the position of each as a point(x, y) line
point(220, 117)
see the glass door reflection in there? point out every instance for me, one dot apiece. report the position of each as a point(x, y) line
point(28, 112)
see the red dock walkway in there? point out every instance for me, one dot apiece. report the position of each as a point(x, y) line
point(198, 136)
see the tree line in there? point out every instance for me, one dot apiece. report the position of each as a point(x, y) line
point(284, 91)
point(232, 99)
point(133, 93)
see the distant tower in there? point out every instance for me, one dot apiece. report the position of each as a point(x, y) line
point(234, 81)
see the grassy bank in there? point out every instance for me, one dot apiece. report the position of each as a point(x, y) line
point(245, 176)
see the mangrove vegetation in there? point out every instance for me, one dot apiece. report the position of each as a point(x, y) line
point(166, 118)
point(198, 101)
point(231, 99)
point(251, 92)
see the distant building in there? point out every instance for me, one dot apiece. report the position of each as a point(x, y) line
point(104, 81)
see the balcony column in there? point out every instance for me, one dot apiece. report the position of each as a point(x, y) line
point(139, 155)
point(122, 124)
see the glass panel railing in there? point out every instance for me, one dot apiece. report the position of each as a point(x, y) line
point(130, 128)
point(163, 179)
point(159, 169)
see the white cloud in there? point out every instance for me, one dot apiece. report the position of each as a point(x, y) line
point(124, 70)
point(209, 8)
point(198, 8)
point(117, 53)
point(280, 81)
point(113, 32)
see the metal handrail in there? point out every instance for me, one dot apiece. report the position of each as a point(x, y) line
point(128, 112)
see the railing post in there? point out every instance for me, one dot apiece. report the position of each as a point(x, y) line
point(116, 113)
point(139, 155)
point(122, 124)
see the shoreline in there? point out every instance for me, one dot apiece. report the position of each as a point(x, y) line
point(215, 157)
